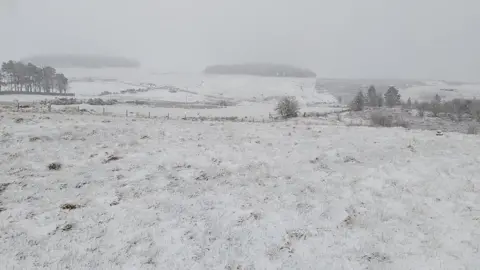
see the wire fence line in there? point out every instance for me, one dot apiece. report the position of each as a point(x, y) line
point(77, 110)
point(36, 107)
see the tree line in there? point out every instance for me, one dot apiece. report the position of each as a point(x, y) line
point(20, 77)
point(391, 98)
point(457, 109)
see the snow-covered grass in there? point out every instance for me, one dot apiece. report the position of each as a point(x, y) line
point(183, 195)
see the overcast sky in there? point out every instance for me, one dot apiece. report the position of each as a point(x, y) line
point(428, 39)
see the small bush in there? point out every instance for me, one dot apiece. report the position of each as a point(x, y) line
point(288, 107)
point(223, 103)
point(436, 108)
point(473, 129)
point(381, 119)
point(400, 122)
point(388, 120)
point(69, 206)
point(55, 166)
point(422, 107)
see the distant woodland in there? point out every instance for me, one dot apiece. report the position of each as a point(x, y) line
point(261, 69)
point(28, 78)
point(81, 61)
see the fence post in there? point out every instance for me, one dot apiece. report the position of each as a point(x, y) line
point(126, 113)
point(103, 112)
point(148, 114)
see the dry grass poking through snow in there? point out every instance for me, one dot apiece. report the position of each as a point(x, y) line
point(147, 194)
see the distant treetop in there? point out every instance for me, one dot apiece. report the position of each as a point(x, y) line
point(261, 69)
point(81, 61)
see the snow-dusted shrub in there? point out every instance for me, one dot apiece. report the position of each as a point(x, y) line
point(388, 120)
point(288, 107)
point(381, 119)
point(55, 166)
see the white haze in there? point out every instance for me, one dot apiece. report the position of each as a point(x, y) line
point(428, 39)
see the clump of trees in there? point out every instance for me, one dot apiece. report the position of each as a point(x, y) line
point(20, 77)
point(457, 109)
point(373, 99)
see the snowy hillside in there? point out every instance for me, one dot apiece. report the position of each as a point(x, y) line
point(238, 87)
point(147, 194)
point(446, 90)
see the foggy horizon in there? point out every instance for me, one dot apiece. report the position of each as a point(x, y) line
point(335, 39)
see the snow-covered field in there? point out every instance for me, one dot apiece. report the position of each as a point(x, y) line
point(258, 111)
point(190, 195)
point(245, 95)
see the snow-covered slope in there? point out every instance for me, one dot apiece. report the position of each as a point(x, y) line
point(248, 87)
point(236, 87)
point(445, 90)
point(184, 195)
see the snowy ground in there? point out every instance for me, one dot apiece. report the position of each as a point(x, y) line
point(183, 195)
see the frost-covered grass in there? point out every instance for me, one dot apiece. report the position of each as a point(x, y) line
point(147, 194)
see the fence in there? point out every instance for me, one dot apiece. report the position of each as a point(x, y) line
point(102, 111)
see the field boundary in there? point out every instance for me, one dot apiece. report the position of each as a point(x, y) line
point(76, 110)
